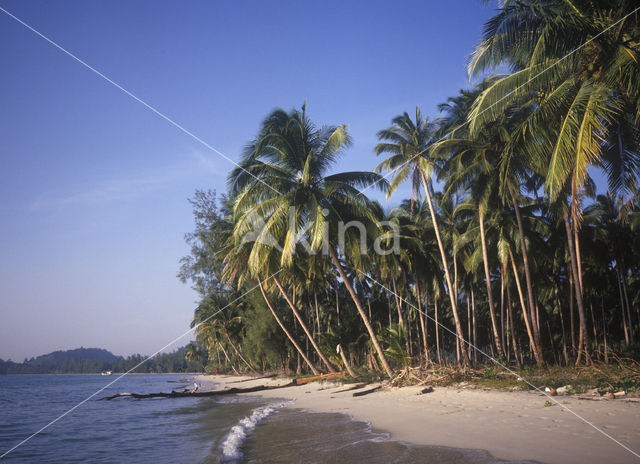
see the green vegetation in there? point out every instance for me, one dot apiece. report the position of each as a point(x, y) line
point(504, 242)
point(94, 360)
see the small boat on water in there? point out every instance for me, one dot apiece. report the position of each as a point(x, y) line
point(106, 373)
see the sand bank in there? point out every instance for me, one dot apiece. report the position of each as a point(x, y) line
point(510, 425)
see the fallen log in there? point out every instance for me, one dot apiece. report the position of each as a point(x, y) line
point(178, 394)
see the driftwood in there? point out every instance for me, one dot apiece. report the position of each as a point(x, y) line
point(366, 392)
point(228, 391)
point(177, 394)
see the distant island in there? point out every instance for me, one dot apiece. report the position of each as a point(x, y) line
point(97, 360)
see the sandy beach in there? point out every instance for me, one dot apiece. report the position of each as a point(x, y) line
point(510, 425)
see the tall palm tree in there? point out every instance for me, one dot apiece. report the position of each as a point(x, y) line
point(584, 76)
point(282, 179)
point(407, 143)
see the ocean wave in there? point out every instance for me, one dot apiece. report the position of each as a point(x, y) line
point(233, 441)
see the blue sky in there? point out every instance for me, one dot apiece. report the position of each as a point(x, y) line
point(94, 186)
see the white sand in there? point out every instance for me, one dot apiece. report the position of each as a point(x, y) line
point(510, 425)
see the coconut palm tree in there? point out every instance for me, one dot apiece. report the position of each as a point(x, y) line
point(407, 143)
point(584, 76)
point(282, 180)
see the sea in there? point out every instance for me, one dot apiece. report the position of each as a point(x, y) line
point(233, 429)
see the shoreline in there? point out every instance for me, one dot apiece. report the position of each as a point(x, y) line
point(509, 425)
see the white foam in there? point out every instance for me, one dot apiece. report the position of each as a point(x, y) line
point(238, 434)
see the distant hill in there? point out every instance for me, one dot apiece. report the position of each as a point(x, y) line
point(57, 358)
point(95, 360)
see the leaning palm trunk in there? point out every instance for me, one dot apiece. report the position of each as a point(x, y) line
point(242, 358)
point(363, 315)
point(304, 327)
point(583, 339)
point(624, 313)
point(287, 333)
point(228, 359)
point(487, 276)
point(454, 306)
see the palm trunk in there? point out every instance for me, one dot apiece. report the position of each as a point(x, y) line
point(435, 304)
point(475, 331)
point(287, 333)
point(324, 359)
point(572, 316)
point(502, 318)
point(576, 241)
point(397, 298)
point(315, 297)
point(583, 339)
point(469, 319)
point(512, 331)
point(337, 306)
point(537, 352)
point(626, 298)
point(565, 353)
point(228, 359)
point(525, 262)
point(242, 358)
point(454, 306)
point(604, 331)
point(422, 323)
point(363, 315)
point(487, 276)
point(624, 315)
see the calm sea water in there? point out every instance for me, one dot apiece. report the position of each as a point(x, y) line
point(186, 430)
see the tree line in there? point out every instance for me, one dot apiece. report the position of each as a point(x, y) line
point(504, 248)
point(72, 363)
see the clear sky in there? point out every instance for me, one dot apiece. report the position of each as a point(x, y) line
point(94, 186)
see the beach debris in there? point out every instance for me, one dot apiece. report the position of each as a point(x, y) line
point(619, 394)
point(563, 390)
point(610, 396)
point(197, 394)
point(550, 391)
point(426, 390)
point(547, 404)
